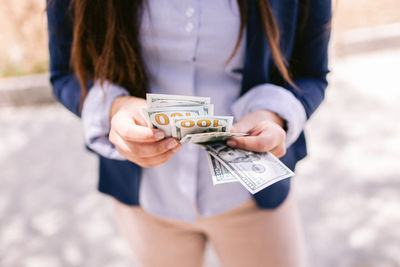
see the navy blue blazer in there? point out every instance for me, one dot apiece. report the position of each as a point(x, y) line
point(304, 32)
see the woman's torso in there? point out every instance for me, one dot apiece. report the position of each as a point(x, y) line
point(186, 45)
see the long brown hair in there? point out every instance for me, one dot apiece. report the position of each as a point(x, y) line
point(106, 44)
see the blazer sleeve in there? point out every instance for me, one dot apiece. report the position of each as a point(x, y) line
point(65, 84)
point(309, 61)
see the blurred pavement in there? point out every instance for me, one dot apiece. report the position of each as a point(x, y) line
point(349, 186)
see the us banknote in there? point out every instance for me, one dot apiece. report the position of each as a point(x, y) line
point(162, 100)
point(209, 137)
point(219, 173)
point(182, 126)
point(254, 170)
point(160, 117)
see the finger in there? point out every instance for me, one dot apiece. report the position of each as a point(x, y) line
point(140, 120)
point(125, 150)
point(243, 126)
point(120, 144)
point(279, 151)
point(159, 159)
point(130, 131)
point(252, 122)
point(145, 150)
point(257, 143)
point(262, 140)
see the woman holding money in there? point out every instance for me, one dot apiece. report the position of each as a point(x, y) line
point(262, 61)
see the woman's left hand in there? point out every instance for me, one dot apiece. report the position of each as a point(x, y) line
point(266, 133)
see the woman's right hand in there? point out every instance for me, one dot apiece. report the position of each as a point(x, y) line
point(133, 139)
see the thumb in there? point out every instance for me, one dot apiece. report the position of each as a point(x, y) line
point(140, 120)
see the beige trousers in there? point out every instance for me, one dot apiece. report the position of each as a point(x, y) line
point(245, 236)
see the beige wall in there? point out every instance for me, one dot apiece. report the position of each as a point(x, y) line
point(23, 37)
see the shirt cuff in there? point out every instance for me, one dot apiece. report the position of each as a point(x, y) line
point(96, 118)
point(277, 99)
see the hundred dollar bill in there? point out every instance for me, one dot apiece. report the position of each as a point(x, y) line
point(209, 137)
point(160, 117)
point(161, 100)
point(254, 170)
point(208, 109)
point(219, 173)
point(182, 126)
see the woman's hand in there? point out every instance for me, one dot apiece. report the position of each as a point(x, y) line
point(133, 139)
point(266, 133)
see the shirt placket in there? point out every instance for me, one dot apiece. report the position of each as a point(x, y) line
point(191, 28)
point(189, 183)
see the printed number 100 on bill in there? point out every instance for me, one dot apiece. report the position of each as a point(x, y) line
point(182, 126)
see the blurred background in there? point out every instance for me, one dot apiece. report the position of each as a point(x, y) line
point(349, 186)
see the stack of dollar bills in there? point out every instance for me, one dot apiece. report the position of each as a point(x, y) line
point(191, 119)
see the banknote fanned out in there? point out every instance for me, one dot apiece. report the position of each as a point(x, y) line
point(182, 126)
point(160, 117)
point(191, 119)
point(254, 170)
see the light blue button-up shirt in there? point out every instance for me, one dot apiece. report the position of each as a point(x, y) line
point(185, 45)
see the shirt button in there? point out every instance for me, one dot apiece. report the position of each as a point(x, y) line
point(189, 27)
point(189, 12)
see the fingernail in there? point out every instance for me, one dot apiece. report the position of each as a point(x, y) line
point(176, 149)
point(171, 144)
point(231, 143)
point(159, 135)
